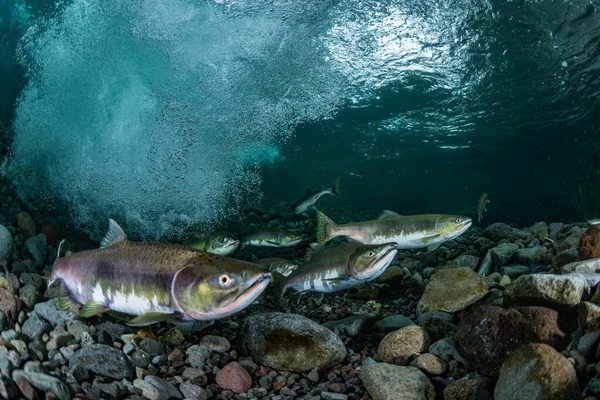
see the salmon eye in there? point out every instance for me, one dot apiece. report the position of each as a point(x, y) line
point(224, 279)
point(458, 220)
point(371, 253)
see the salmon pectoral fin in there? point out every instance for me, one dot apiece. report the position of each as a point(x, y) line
point(153, 318)
point(122, 317)
point(92, 308)
point(65, 300)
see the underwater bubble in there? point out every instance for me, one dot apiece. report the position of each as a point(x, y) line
point(157, 115)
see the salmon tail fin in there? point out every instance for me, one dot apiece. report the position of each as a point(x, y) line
point(324, 228)
point(335, 188)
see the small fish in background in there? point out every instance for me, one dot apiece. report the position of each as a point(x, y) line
point(296, 220)
point(356, 174)
point(279, 265)
point(220, 242)
point(483, 200)
point(595, 221)
point(312, 197)
point(155, 282)
point(271, 237)
point(408, 231)
point(340, 267)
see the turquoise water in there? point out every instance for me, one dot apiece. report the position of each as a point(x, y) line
point(166, 117)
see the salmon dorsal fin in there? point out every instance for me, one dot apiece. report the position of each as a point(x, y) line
point(114, 235)
point(387, 214)
point(312, 251)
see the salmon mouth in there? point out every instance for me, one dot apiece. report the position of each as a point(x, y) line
point(247, 296)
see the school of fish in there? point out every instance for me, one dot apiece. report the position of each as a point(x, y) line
point(194, 284)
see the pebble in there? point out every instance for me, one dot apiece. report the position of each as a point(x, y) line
point(152, 347)
point(193, 392)
point(234, 377)
point(44, 383)
point(197, 355)
point(167, 389)
point(333, 396)
point(216, 343)
point(430, 363)
point(400, 345)
point(393, 382)
point(34, 326)
point(172, 337)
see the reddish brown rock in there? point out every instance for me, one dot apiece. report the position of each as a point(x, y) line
point(234, 377)
point(589, 244)
point(51, 234)
point(9, 304)
point(487, 335)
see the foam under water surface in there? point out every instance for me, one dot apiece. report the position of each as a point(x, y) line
point(158, 115)
point(155, 114)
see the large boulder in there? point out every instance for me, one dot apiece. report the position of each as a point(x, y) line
point(487, 335)
point(536, 371)
point(289, 342)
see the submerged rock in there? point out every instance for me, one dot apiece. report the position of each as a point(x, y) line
point(536, 371)
point(452, 289)
point(398, 346)
point(44, 383)
point(234, 377)
point(393, 382)
point(589, 244)
point(467, 388)
point(591, 266)
point(499, 231)
point(488, 334)
point(560, 289)
point(6, 243)
point(289, 342)
point(502, 254)
point(103, 360)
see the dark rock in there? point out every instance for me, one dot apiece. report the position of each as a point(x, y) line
point(563, 258)
point(499, 231)
point(8, 388)
point(393, 322)
point(514, 271)
point(193, 392)
point(103, 360)
point(114, 331)
point(49, 311)
point(438, 328)
point(6, 323)
point(29, 294)
point(502, 253)
point(167, 389)
point(152, 347)
point(45, 383)
point(488, 334)
point(32, 279)
point(352, 326)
